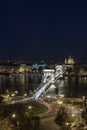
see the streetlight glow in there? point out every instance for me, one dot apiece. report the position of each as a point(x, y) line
point(29, 107)
point(73, 115)
point(67, 123)
point(13, 115)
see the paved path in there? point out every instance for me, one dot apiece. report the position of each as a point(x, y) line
point(49, 111)
point(47, 120)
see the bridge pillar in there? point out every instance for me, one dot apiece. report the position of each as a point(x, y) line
point(59, 70)
point(48, 74)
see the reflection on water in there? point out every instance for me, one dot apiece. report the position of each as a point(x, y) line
point(73, 87)
point(20, 83)
point(70, 86)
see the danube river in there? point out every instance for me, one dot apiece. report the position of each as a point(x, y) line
point(73, 87)
point(70, 87)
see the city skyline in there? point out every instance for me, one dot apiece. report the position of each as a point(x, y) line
point(43, 30)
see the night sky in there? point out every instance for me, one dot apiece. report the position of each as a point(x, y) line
point(43, 30)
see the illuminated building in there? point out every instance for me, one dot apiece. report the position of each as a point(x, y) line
point(69, 61)
point(23, 68)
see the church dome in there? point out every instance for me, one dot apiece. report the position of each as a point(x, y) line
point(70, 60)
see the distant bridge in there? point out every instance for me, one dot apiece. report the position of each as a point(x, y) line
point(49, 76)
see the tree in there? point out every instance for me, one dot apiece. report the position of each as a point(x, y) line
point(62, 118)
point(35, 123)
point(5, 124)
point(29, 121)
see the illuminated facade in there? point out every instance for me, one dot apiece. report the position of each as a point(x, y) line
point(69, 61)
point(23, 68)
point(48, 74)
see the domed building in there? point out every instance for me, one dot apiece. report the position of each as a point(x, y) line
point(69, 61)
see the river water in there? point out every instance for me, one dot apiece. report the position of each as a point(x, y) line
point(70, 87)
point(22, 84)
point(73, 87)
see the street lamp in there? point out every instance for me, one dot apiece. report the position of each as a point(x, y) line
point(73, 115)
point(14, 116)
point(29, 112)
point(30, 107)
point(67, 123)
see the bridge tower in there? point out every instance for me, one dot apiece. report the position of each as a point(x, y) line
point(59, 70)
point(48, 74)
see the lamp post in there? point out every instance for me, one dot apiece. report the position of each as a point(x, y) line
point(73, 115)
point(66, 123)
point(14, 116)
point(29, 107)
